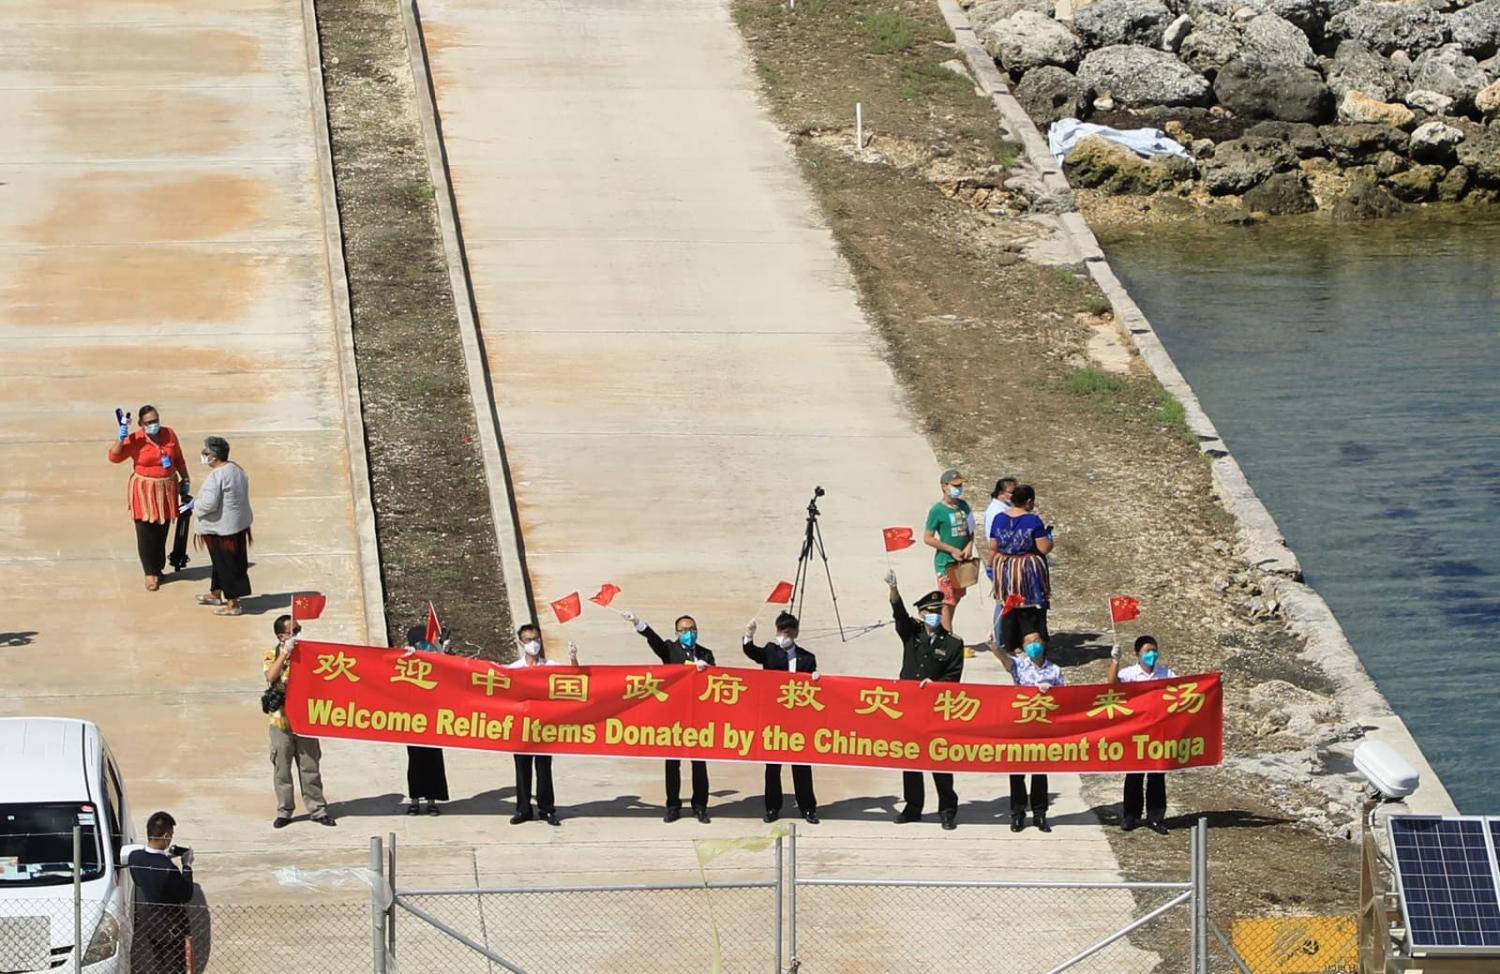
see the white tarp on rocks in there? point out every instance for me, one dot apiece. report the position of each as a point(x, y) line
point(1066, 133)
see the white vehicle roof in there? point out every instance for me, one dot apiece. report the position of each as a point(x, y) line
point(48, 759)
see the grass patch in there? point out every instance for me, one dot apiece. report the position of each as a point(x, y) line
point(1095, 384)
point(1005, 151)
point(1171, 413)
point(888, 32)
point(928, 79)
point(1099, 305)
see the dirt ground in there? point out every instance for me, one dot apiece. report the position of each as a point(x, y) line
point(432, 513)
point(991, 351)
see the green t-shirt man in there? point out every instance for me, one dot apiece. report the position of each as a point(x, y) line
point(953, 525)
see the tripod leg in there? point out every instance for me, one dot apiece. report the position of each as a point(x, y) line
point(799, 577)
point(823, 553)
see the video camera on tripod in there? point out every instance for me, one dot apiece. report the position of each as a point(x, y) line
point(812, 539)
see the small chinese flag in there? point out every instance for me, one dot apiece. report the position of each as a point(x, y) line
point(434, 628)
point(898, 538)
point(308, 605)
point(781, 594)
point(567, 607)
point(606, 594)
point(1012, 601)
point(1123, 608)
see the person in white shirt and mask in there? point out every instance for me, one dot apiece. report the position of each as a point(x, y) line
point(1032, 668)
point(529, 643)
point(1143, 790)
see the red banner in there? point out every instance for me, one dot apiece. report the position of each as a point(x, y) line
point(744, 714)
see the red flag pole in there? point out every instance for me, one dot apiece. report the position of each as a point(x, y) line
point(1109, 604)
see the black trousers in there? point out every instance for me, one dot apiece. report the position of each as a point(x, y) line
point(1018, 793)
point(151, 546)
point(916, 794)
point(230, 554)
point(674, 784)
point(544, 798)
point(159, 956)
point(802, 784)
point(1148, 789)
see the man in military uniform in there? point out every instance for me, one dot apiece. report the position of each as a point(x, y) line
point(930, 654)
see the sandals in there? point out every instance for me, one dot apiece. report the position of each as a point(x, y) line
point(229, 611)
point(153, 582)
point(208, 600)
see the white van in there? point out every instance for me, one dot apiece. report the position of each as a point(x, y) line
point(56, 773)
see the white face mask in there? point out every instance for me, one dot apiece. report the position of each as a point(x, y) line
point(532, 647)
point(785, 642)
point(206, 458)
point(152, 428)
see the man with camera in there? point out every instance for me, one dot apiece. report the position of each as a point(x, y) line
point(162, 892)
point(290, 750)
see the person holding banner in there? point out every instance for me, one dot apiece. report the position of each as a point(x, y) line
point(950, 530)
point(1032, 669)
point(929, 654)
point(685, 650)
point(1146, 790)
point(786, 656)
point(426, 772)
point(289, 750)
point(1020, 543)
point(529, 642)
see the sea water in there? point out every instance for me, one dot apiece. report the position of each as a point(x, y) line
point(1354, 371)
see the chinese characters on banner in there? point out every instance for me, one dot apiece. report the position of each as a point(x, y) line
point(745, 714)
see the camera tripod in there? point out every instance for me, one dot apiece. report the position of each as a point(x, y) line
point(812, 540)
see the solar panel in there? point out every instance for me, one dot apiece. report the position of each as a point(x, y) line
point(1447, 877)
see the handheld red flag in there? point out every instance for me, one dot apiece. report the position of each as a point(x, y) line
point(567, 607)
point(781, 594)
point(308, 605)
point(606, 594)
point(1123, 608)
point(898, 538)
point(1012, 601)
point(434, 628)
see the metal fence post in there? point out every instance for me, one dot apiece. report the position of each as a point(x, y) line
point(78, 945)
point(377, 909)
point(792, 911)
point(1197, 881)
point(390, 911)
point(1202, 907)
point(780, 892)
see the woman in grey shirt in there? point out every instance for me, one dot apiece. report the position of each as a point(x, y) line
point(223, 513)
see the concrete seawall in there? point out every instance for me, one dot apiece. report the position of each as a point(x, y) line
point(1262, 545)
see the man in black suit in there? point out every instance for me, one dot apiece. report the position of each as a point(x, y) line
point(161, 894)
point(786, 656)
point(685, 650)
point(930, 654)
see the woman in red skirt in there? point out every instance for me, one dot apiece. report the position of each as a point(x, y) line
point(159, 478)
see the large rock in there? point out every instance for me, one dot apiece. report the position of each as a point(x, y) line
point(1272, 39)
point(1354, 67)
point(1139, 75)
point(1447, 70)
point(1454, 185)
point(1307, 15)
point(1240, 164)
point(1387, 27)
point(1282, 194)
point(982, 15)
point(1428, 101)
point(1212, 43)
point(1356, 106)
point(1254, 89)
point(1353, 144)
point(1106, 22)
point(1488, 100)
point(1417, 184)
point(1476, 28)
point(1435, 142)
point(1365, 199)
point(1049, 93)
point(1480, 155)
point(1027, 39)
point(1175, 33)
point(1097, 163)
point(1303, 139)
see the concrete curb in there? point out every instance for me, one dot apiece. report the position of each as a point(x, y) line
point(497, 477)
point(338, 279)
point(1264, 547)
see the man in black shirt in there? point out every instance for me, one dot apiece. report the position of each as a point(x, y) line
point(930, 654)
point(685, 650)
point(161, 894)
point(785, 655)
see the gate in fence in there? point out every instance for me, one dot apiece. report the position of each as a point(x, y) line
point(787, 920)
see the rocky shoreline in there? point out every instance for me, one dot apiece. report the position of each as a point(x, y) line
point(1357, 108)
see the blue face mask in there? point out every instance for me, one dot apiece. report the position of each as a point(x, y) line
point(1035, 650)
point(152, 429)
point(688, 638)
point(933, 620)
point(1148, 659)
